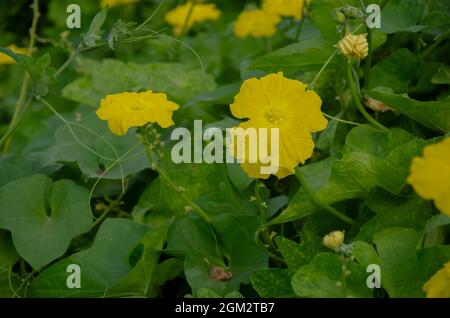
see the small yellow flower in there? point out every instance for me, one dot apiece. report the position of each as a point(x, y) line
point(256, 23)
point(114, 3)
point(275, 101)
point(126, 110)
point(430, 175)
point(354, 46)
point(334, 239)
point(200, 12)
point(5, 59)
point(285, 8)
point(438, 286)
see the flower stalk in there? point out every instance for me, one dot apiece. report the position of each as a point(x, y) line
point(357, 100)
point(319, 202)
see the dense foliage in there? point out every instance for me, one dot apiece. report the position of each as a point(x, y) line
point(100, 190)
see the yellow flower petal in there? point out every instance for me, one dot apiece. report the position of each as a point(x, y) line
point(5, 59)
point(256, 23)
point(114, 3)
point(126, 110)
point(430, 175)
point(275, 101)
point(285, 8)
point(438, 286)
point(200, 13)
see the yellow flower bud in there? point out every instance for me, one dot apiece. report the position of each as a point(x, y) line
point(354, 46)
point(334, 239)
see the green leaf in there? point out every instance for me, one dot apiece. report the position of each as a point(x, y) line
point(208, 293)
point(322, 13)
point(304, 55)
point(442, 76)
point(296, 255)
point(43, 217)
point(393, 211)
point(236, 232)
point(8, 254)
point(223, 95)
point(331, 276)
point(273, 283)
point(238, 177)
point(332, 136)
point(102, 266)
point(402, 15)
point(94, 33)
point(192, 236)
point(39, 69)
point(207, 185)
point(365, 254)
point(398, 260)
point(181, 82)
point(396, 71)
point(436, 230)
point(370, 158)
point(432, 114)
point(104, 149)
point(12, 168)
point(404, 268)
point(147, 275)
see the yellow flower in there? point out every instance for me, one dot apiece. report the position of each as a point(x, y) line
point(334, 239)
point(256, 23)
point(275, 101)
point(126, 110)
point(5, 59)
point(438, 286)
point(285, 8)
point(430, 175)
point(354, 46)
point(113, 3)
point(200, 13)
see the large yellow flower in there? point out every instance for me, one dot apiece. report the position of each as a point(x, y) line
point(199, 13)
point(430, 175)
point(5, 59)
point(438, 286)
point(285, 8)
point(256, 23)
point(275, 101)
point(113, 3)
point(126, 110)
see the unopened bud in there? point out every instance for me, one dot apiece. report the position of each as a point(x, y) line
point(339, 17)
point(354, 46)
point(334, 239)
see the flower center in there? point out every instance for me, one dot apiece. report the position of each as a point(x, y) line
point(274, 116)
point(137, 107)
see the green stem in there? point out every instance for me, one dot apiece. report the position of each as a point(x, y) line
point(368, 65)
point(154, 166)
point(17, 116)
point(356, 99)
point(299, 29)
point(259, 201)
point(188, 17)
point(317, 201)
point(311, 86)
point(436, 43)
point(6, 138)
point(68, 62)
point(341, 120)
point(140, 26)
